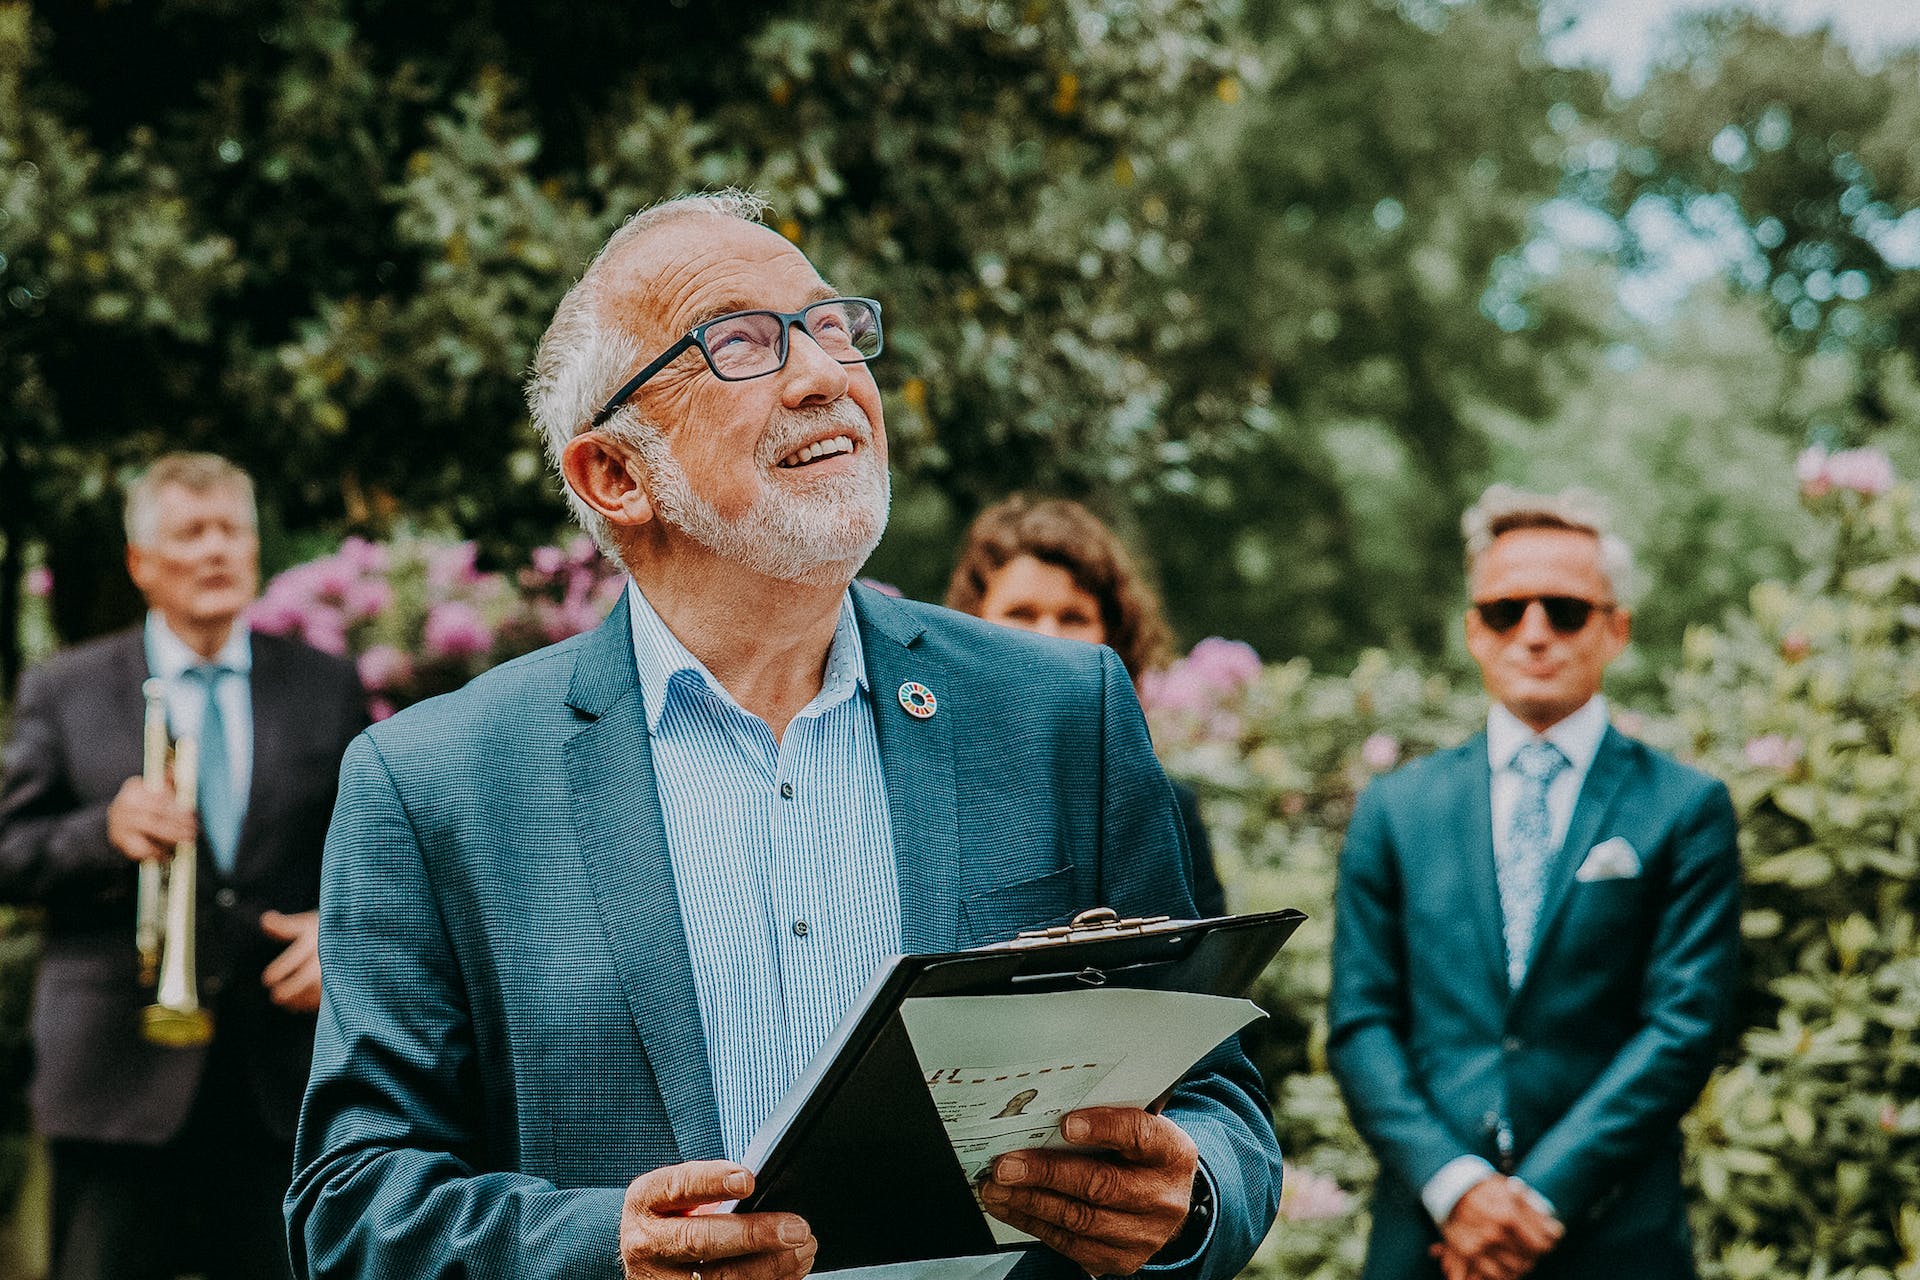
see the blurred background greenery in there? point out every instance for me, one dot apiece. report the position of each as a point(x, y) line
point(1275, 287)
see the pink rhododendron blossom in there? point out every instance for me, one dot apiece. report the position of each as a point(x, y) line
point(1773, 751)
point(1225, 665)
point(1810, 469)
point(384, 667)
point(451, 565)
point(274, 617)
point(325, 632)
point(582, 551)
point(1381, 751)
point(1306, 1196)
point(367, 598)
point(1868, 472)
point(1178, 688)
point(40, 582)
point(455, 630)
point(548, 560)
point(362, 556)
point(332, 578)
point(379, 709)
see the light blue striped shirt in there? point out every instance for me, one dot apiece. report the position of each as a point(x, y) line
point(782, 857)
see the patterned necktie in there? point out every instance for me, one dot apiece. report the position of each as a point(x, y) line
point(1522, 864)
point(220, 807)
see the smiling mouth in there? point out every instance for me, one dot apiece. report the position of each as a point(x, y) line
point(831, 447)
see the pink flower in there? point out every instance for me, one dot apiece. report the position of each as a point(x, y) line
point(40, 582)
point(455, 630)
point(582, 551)
point(1773, 751)
point(1889, 1117)
point(548, 560)
point(274, 617)
point(1306, 1196)
point(451, 565)
point(325, 632)
point(379, 709)
point(1225, 665)
point(1795, 646)
point(1868, 472)
point(368, 598)
point(332, 578)
point(384, 667)
point(1178, 688)
point(1380, 752)
point(363, 556)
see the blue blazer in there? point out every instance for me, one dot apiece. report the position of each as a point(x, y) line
point(1626, 1001)
point(510, 1034)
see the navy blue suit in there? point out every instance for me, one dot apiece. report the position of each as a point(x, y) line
point(510, 1031)
point(1593, 1060)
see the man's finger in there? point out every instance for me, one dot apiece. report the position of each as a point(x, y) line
point(1076, 1217)
point(1087, 1178)
point(1134, 1134)
point(1095, 1257)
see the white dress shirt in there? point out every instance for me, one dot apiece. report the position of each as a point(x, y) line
point(170, 658)
point(1578, 739)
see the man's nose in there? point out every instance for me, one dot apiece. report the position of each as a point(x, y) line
point(1534, 627)
point(812, 376)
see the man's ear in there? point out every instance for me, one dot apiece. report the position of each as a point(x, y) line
point(603, 472)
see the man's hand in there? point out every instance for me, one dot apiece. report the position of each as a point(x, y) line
point(293, 979)
point(145, 822)
point(1109, 1211)
point(1495, 1232)
point(665, 1235)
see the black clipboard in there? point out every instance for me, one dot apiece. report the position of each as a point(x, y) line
point(860, 1152)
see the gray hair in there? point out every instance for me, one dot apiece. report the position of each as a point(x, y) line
point(1503, 508)
point(194, 472)
point(582, 359)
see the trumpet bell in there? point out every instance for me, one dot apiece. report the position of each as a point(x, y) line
point(176, 1028)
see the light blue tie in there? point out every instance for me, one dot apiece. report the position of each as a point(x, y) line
point(1522, 864)
point(220, 807)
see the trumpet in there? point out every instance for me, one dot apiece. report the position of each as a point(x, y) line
point(175, 1018)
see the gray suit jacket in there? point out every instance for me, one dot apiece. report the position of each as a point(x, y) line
point(510, 1031)
point(76, 737)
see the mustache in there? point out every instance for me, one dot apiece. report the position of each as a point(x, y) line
point(792, 428)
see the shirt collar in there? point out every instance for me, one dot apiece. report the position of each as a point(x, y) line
point(664, 664)
point(1578, 735)
point(169, 657)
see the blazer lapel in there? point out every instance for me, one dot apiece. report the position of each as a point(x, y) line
point(122, 713)
point(623, 844)
point(1608, 771)
point(1477, 813)
point(916, 758)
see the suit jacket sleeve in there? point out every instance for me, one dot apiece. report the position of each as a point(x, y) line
point(50, 840)
point(1222, 1105)
point(385, 1183)
point(1686, 1011)
point(1367, 1008)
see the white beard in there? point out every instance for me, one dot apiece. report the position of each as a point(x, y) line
point(823, 535)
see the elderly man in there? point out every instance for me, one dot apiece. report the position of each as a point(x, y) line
point(1536, 944)
point(585, 920)
point(171, 1160)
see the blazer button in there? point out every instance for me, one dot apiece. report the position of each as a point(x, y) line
point(1511, 1044)
point(212, 983)
point(226, 899)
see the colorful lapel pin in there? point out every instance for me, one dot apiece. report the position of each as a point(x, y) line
point(918, 700)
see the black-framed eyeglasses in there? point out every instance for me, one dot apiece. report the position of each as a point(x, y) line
point(1567, 615)
point(742, 345)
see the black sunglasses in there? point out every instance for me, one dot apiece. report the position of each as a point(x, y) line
point(1567, 615)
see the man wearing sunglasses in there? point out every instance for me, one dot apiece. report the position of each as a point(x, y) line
point(1536, 944)
point(585, 921)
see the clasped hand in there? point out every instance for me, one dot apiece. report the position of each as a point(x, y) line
point(1497, 1231)
point(1108, 1210)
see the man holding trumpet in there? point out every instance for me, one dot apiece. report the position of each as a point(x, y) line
point(170, 1152)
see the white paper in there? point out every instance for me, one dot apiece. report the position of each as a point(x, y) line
point(985, 1266)
point(1004, 1070)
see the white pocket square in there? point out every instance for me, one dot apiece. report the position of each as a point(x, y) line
point(1612, 859)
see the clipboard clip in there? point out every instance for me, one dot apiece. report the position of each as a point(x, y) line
point(1094, 922)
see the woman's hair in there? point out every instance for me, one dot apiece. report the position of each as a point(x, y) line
point(1068, 536)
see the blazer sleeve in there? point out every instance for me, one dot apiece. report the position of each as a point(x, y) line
point(1367, 1012)
point(1222, 1105)
point(385, 1184)
point(1686, 1011)
point(50, 838)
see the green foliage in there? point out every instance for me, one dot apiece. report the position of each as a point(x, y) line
point(1808, 1148)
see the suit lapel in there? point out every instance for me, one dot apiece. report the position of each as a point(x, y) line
point(123, 714)
point(1609, 770)
point(1477, 778)
point(916, 758)
point(623, 844)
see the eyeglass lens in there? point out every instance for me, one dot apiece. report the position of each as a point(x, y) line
point(1565, 614)
point(752, 343)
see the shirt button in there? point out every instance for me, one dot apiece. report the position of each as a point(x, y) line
point(226, 898)
point(786, 793)
point(799, 928)
point(1511, 1044)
